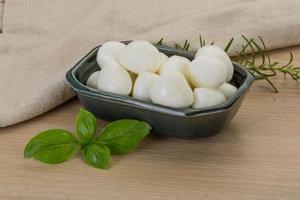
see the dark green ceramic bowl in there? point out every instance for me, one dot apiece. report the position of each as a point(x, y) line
point(181, 123)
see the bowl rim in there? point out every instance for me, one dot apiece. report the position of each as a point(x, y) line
point(79, 87)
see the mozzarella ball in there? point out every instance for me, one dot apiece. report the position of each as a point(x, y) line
point(177, 63)
point(114, 79)
point(227, 89)
point(218, 52)
point(92, 80)
point(207, 71)
point(140, 56)
point(163, 58)
point(206, 97)
point(110, 49)
point(105, 61)
point(143, 84)
point(171, 89)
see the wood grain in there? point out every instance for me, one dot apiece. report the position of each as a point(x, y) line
point(256, 157)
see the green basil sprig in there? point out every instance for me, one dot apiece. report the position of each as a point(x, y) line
point(122, 136)
point(57, 145)
point(52, 146)
point(85, 126)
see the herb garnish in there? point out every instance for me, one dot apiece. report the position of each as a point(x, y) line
point(57, 145)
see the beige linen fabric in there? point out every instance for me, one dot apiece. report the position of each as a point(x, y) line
point(42, 39)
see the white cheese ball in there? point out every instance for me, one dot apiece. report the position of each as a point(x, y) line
point(227, 89)
point(163, 58)
point(177, 63)
point(93, 79)
point(115, 79)
point(218, 52)
point(110, 49)
point(143, 84)
point(206, 97)
point(207, 71)
point(171, 89)
point(140, 56)
point(105, 61)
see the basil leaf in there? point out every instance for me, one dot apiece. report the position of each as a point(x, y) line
point(52, 146)
point(97, 155)
point(123, 135)
point(85, 126)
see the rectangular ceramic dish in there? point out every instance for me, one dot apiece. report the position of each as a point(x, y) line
point(181, 123)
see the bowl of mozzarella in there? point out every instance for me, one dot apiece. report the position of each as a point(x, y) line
point(179, 93)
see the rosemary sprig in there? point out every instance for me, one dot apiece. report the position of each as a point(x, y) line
point(228, 45)
point(185, 46)
point(202, 42)
point(266, 68)
point(160, 42)
point(263, 69)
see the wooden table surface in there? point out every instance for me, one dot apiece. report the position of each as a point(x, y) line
point(257, 156)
